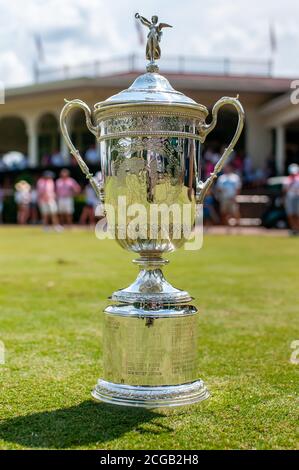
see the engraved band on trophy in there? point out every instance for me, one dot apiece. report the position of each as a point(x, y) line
point(149, 137)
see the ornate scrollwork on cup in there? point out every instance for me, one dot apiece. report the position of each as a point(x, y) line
point(149, 122)
point(127, 156)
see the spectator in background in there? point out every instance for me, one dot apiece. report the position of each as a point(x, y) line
point(23, 199)
point(211, 157)
point(66, 189)
point(292, 156)
point(57, 159)
point(46, 198)
point(91, 202)
point(92, 155)
point(248, 174)
point(208, 154)
point(259, 177)
point(46, 160)
point(93, 208)
point(33, 206)
point(291, 190)
point(270, 167)
point(238, 162)
point(208, 168)
point(209, 212)
point(228, 187)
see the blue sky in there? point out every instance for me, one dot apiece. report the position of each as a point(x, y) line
point(76, 31)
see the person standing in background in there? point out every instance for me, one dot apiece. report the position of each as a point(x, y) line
point(57, 159)
point(291, 190)
point(33, 207)
point(209, 212)
point(93, 209)
point(88, 212)
point(92, 155)
point(23, 199)
point(228, 187)
point(248, 173)
point(66, 189)
point(46, 198)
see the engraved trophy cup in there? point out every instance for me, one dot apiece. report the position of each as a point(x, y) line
point(149, 137)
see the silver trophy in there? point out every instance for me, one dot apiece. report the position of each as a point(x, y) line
point(150, 137)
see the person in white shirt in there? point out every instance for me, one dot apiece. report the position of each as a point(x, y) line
point(23, 200)
point(228, 187)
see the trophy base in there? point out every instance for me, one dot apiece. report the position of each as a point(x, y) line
point(150, 357)
point(150, 397)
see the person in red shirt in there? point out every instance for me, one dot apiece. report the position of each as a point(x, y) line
point(66, 189)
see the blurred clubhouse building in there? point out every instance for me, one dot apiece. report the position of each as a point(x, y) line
point(29, 119)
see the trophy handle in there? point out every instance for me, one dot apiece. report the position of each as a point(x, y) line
point(70, 105)
point(203, 187)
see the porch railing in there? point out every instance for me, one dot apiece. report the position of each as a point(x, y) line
point(172, 64)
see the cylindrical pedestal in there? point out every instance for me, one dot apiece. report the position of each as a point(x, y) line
point(150, 357)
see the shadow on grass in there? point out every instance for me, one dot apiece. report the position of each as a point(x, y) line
point(83, 424)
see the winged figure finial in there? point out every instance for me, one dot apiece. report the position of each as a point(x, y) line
point(153, 51)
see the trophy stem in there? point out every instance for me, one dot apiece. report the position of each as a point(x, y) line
point(150, 262)
point(150, 287)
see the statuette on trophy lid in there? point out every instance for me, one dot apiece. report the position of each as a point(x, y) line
point(150, 138)
point(153, 50)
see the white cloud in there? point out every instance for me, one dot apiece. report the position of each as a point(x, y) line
point(75, 31)
point(13, 70)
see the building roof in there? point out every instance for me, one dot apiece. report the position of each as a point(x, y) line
point(204, 82)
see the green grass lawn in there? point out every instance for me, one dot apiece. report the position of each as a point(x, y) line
point(53, 289)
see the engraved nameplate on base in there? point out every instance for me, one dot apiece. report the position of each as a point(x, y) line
point(150, 351)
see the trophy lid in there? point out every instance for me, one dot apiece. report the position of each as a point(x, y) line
point(150, 88)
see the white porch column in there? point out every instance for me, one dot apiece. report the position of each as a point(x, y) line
point(280, 149)
point(32, 149)
point(258, 138)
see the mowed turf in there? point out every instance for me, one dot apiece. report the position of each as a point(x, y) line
point(53, 288)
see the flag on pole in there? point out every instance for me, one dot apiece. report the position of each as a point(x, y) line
point(273, 40)
point(39, 47)
point(139, 32)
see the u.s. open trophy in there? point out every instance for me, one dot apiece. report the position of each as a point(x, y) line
point(150, 137)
